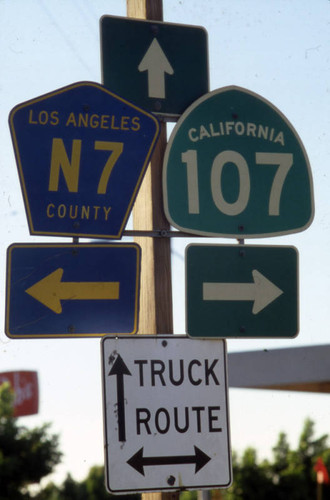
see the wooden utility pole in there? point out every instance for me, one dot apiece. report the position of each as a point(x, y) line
point(156, 290)
point(156, 314)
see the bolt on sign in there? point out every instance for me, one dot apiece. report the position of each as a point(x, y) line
point(81, 153)
point(235, 167)
point(66, 290)
point(165, 413)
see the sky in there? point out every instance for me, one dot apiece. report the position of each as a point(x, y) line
point(277, 49)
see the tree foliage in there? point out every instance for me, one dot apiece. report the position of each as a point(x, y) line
point(26, 456)
point(290, 474)
point(91, 488)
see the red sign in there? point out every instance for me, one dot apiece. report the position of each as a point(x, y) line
point(322, 475)
point(25, 386)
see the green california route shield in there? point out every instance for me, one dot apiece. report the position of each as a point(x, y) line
point(235, 167)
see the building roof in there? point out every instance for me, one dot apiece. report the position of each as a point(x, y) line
point(292, 369)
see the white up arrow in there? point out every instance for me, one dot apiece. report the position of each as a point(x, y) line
point(156, 63)
point(262, 291)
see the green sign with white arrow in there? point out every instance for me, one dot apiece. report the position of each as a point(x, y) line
point(162, 67)
point(241, 291)
point(235, 167)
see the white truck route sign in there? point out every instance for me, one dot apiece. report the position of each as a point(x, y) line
point(165, 413)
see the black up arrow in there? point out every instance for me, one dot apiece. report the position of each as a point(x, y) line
point(120, 369)
point(138, 461)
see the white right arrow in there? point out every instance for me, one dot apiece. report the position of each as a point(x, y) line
point(156, 63)
point(262, 291)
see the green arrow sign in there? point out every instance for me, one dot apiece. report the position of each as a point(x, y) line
point(235, 167)
point(241, 291)
point(162, 67)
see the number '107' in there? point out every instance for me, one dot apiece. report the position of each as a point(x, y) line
point(283, 161)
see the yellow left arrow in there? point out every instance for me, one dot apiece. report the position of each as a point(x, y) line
point(50, 290)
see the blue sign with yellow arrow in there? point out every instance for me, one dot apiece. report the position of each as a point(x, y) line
point(67, 290)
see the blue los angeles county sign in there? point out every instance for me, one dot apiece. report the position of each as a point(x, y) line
point(81, 153)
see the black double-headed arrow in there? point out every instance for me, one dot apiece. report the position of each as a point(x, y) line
point(120, 369)
point(138, 461)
